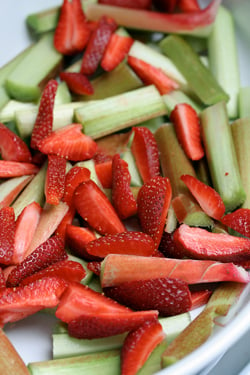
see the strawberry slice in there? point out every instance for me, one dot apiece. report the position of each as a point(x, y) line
point(94, 207)
point(136, 243)
point(44, 120)
point(15, 169)
point(153, 202)
point(239, 221)
point(55, 179)
point(97, 44)
point(122, 196)
point(187, 127)
point(208, 198)
point(2, 279)
point(137, 4)
point(189, 5)
point(138, 345)
point(93, 326)
point(146, 154)
point(167, 6)
point(168, 247)
point(7, 232)
point(152, 75)
point(77, 238)
point(95, 267)
point(198, 243)
point(116, 51)
point(172, 297)
point(48, 252)
point(77, 83)
point(12, 147)
point(11, 188)
point(200, 298)
point(69, 142)
point(104, 172)
point(81, 30)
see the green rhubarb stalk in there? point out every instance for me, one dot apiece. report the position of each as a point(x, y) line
point(8, 111)
point(103, 117)
point(198, 76)
point(223, 58)
point(221, 156)
point(202, 171)
point(63, 95)
point(132, 167)
point(11, 187)
point(176, 97)
point(241, 137)
point(244, 102)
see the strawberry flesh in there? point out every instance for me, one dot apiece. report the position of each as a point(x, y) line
point(136, 4)
point(12, 147)
point(104, 172)
point(7, 233)
point(239, 220)
point(77, 83)
point(2, 279)
point(15, 169)
point(77, 239)
point(95, 267)
point(55, 179)
point(189, 5)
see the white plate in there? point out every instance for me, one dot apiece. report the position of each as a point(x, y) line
point(32, 336)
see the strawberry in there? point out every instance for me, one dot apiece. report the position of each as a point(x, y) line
point(138, 345)
point(168, 247)
point(44, 120)
point(153, 202)
point(104, 173)
point(92, 325)
point(2, 279)
point(94, 207)
point(55, 179)
point(49, 252)
point(152, 75)
point(137, 4)
point(116, 51)
point(12, 147)
point(122, 196)
point(70, 143)
point(239, 221)
point(167, 6)
point(136, 243)
point(189, 6)
point(95, 267)
point(7, 232)
point(168, 296)
point(97, 43)
point(77, 238)
point(187, 127)
point(145, 151)
point(200, 298)
point(81, 30)
point(208, 198)
point(15, 169)
point(11, 188)
point(198, 243)
point(77, 83)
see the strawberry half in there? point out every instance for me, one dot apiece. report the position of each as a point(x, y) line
point(146, 154)
point(55, 179)
point(16, 169)
point(81, 31)
point(153, 203)
point(7, 232)
point(95, 267)
point(77, 83)
point(239, 221)
point(137, 4)
point(77, 238)
point(208, 198)
point(104, 173)
point(69, 142)
point(187, 127)
point(122, 196)
point(2, 279)
point(44, 120)
point(200, 298)
point(189, 6)
point(94, 207)
point(12, 147)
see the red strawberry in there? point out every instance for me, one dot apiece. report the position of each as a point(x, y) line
point(7, 232)
point(55, 179)
point(198, 243)
point(44, 120)
point(238, 220)
point(77, 239)
point(104, 173)
point(94, 207)
point(11, 188)
point(134, 243)
point(122, 196)
point(95, 267)
point(81, 30)
point(187, 127)
point(168, 247)
point(47, 253)
point(2, 279)
point(138, 346)
point(12, 147)
point(15, 169)
point(200, 298)
point(209, 200)
point(77, 83)
point(69, 142)
point(153, 202)
point(189, 5)
point(92, 325)
point(137, 4)
point(152, 75)
point(165, 5)
point(96, 45)
point(145, 151)
point(168, 296)
point(116, 51)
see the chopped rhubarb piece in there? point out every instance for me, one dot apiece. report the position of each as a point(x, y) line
point(77, 238)
point(55, 179)
point(16, 169)
point(77, 83)
point(11, 188)
point(137, 4)
point(7, 232)
point(113, 144)
point(104, 173)
point(189, 5)
point(239, 221)
point(12, 147)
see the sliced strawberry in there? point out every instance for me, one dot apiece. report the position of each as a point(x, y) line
point(96, 45)
point(168, 247)
point(122, 196)
point(198, 243)
point(189, 6)
point(81, 30)
point(11, 188)
point(104, 173)
point(15, 169)
point(69, 142)
point(77, 238)
point(152, 75)
point(95, 267)
point(238, 220)
point(2, 279)
point(137, 4)
point(94, 207)
point(134, 243)
point(200, 298)
point(47, 253)
point(26, 225)
point(44, 120)
point(153, 202)
point(12, 147)
point(138, 345)
point(101, 157)
point(167, 6)
point(7, 232)
point(208, 198)
point(77, 83)
point(92, 325)
point(55, 179)
point(116, 51)
point(145, 151)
